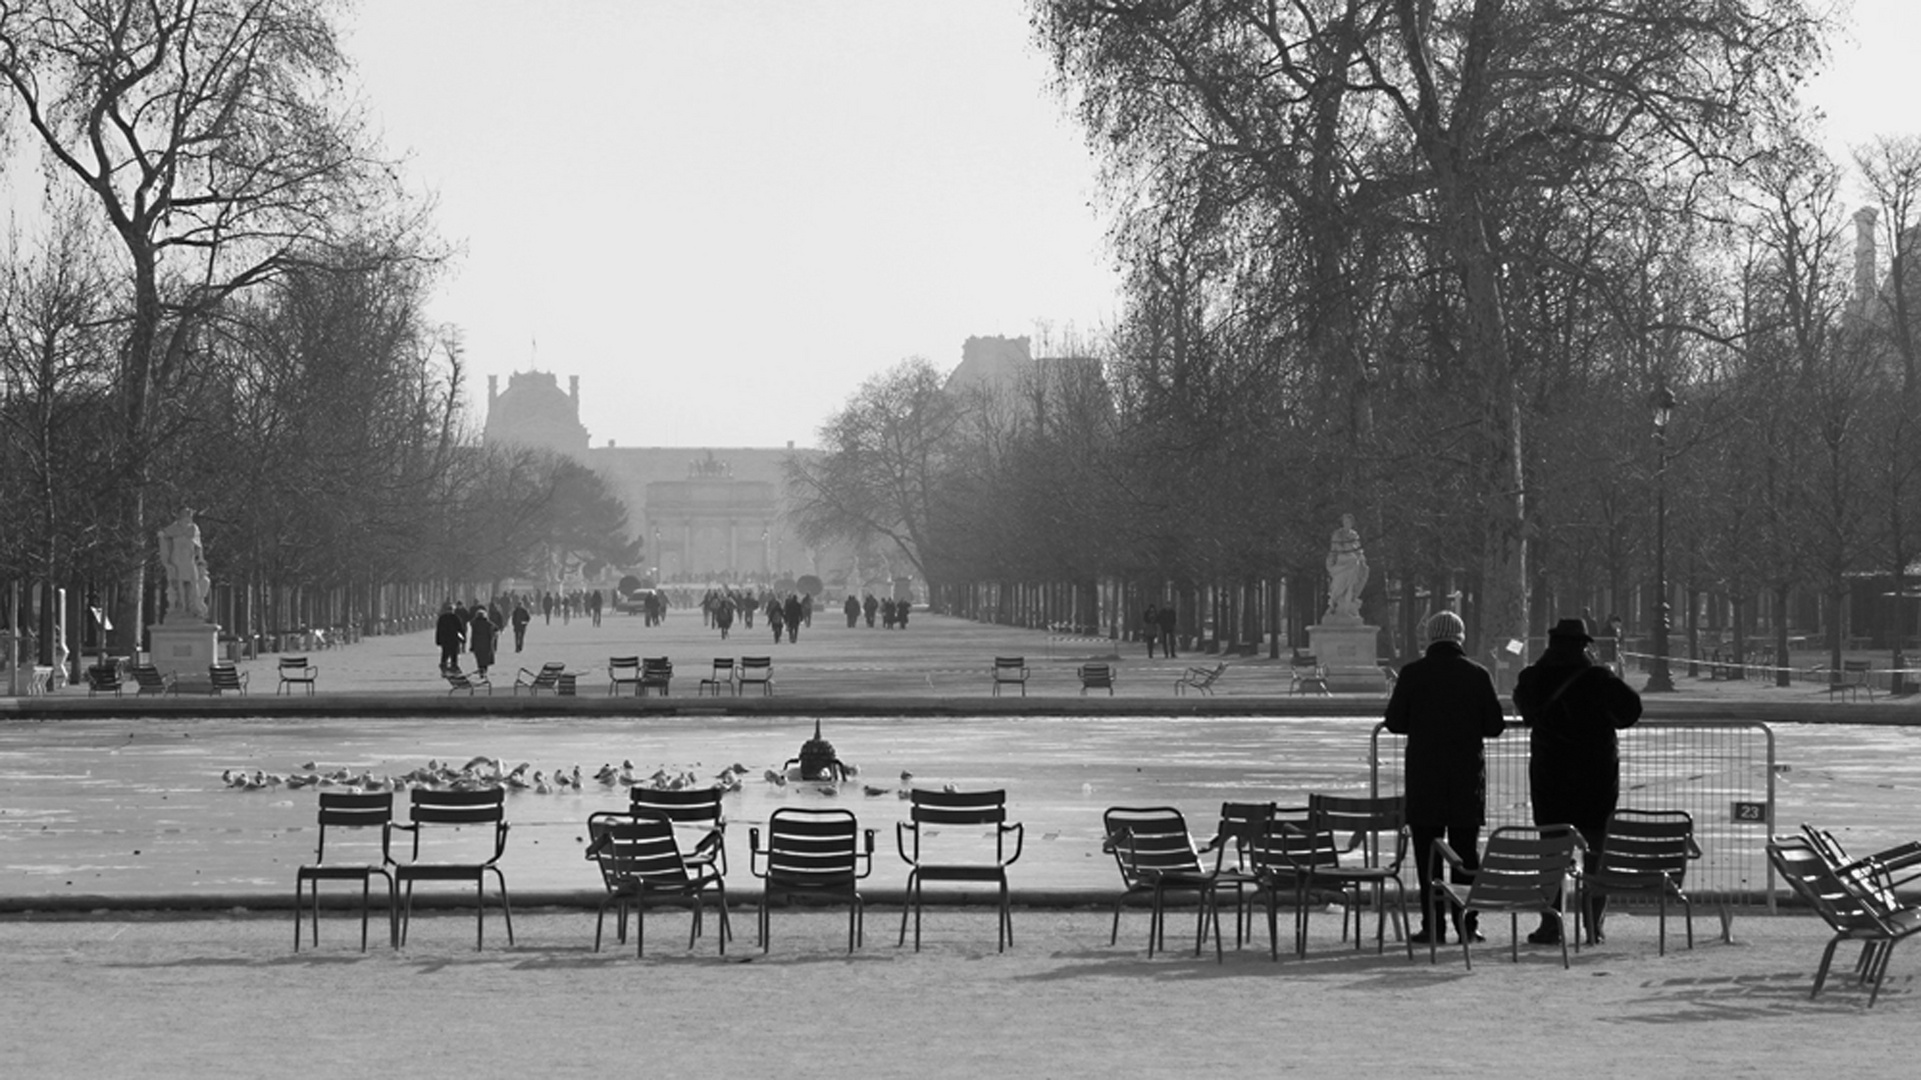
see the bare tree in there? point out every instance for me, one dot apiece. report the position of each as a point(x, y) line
point(216, 145)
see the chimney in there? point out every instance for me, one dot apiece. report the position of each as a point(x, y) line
point(1863, 260)
point(493, 390)
point(573, 390)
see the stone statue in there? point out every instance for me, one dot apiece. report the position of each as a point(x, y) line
point(1346, 572)
point(185, 564)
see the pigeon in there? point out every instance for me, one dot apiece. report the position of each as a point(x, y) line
point(541, 787)
point(828, 789)
point(872, 791)
point(607, 775)
point(776, 779)
point(573, 778)
point(905, 776)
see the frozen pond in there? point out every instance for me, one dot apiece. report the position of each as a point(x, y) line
point(130, 808)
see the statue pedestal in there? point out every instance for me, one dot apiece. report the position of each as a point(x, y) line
point(1350, 655)
point(185, 650)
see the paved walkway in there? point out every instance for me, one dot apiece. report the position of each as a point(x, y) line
point(935, 665)
point(226, 996)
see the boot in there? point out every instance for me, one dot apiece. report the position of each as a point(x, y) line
point(1593, 911)
point(1422, 936)
point(1548, 933)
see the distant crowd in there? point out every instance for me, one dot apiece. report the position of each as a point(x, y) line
point(787, 613)
point(475, 628)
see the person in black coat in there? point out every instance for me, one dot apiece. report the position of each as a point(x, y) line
point(1572, 707)
point(1446, 705)
point(791, 611)
point(482, 638)
point(449, 636)
point(852, 609)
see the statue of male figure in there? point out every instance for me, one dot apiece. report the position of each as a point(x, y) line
point(185, 564)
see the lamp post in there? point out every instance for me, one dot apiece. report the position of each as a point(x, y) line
point(1659, 680)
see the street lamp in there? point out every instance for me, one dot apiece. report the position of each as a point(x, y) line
point(1659, 680)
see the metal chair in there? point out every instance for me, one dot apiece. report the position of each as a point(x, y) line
point(547, 678)
point(757, 671)
point(1010, 671)
point(943, 812)
point(1851, 911)
point(341, 811)
point(295, 671)
point(622, 671)
point(1524, 868)
point(815, 854)
point(1647, 854)
point(446, 813)
point(1373, 825)
point(722, 675)
point(641, 866)
point(1155, 856)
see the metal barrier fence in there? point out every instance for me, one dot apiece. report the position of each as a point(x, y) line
point(1720, 772)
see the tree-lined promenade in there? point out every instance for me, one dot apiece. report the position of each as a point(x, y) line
point(1425, 263)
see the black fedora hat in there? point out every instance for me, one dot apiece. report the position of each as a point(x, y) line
point(1570, 630)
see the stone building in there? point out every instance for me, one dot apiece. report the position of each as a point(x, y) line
point(711, 514)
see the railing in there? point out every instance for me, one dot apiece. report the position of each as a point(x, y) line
point(1720, 772)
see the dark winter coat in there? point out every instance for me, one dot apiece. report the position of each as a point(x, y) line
point(481, 634)
point(447, 631)
point(1574, 764)
point(1446, 705)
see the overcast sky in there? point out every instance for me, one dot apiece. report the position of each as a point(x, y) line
point(723, 215)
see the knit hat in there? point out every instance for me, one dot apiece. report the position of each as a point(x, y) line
point(1446, 626)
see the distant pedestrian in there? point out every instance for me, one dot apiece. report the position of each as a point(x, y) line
point(870, 607)
point(792, 612)
point(887, 613)
point(481, 637)
point(450, 636)
point(521, 617)
point(775, 615)
point(1151, 628)
point(900, 612)
point(547, 606)
point(852, 609)
point(807, 609)
point(1168, 623)
point(724, 616)
point(593, 605)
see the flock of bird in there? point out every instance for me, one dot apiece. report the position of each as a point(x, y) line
point(488, 772)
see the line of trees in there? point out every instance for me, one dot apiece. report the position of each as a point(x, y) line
point(222, 305)
point(1426, 261)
